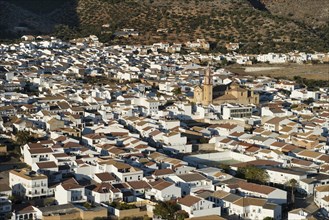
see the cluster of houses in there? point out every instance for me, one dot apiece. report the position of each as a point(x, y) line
point(29, 41)
point(120, 125)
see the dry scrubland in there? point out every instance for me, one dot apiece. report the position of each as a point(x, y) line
point(318, 71)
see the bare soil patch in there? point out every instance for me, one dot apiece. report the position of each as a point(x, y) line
point(316, 71)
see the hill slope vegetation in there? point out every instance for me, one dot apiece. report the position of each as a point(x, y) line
point(272, 28)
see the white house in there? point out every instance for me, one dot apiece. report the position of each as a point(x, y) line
point(70, 191)
point(174, 141)
point(122, 171)
point(274, 112)
point(299, 214)
point(272, 194)
point(191, 182)
point(24, 212)
point(282, 176)
point(29, 184)
point(34, 153)
point(285, 85)
point(105, 177)
point(163, 190)
point(169, 124)
point(151, 105)
point(272, 58)
point(303, 94)
point(230, 111)
point(254, 208)
point(321, 198)
point(225, 129)
point(275, 124)
point(102, 192)
point(198, 207)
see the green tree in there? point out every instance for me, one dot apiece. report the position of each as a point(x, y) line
point(294, 106)
point(23, 137)
point(177, 91)
point(224, 62)
point(87, 205)
point(122, 205)
point(253, 174)
point(299, 80)
point(13, 198)
point(167, 210)
point(181, 215)
point(48, 201)
point(308, 101)
point(204, 140)
point(225, 167)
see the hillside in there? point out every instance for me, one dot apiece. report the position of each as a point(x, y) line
point(219, 21)
point(315, 12)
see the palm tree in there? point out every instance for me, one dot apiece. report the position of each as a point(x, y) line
point(292, 183)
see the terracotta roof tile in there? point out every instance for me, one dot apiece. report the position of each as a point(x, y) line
point(139, 185)
point(189, 200)
point(162, 172)
point(106, 176)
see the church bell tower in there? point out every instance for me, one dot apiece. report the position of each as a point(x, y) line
point(207, 87)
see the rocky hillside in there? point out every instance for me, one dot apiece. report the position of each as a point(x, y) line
point(260, 25)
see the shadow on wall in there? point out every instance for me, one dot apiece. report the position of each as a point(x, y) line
point(19, 17)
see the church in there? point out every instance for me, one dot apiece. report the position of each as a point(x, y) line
point(208, 94)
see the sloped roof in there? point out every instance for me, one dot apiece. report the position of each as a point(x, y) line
point(190, 177)
point(106, 176)
point(189, 200)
